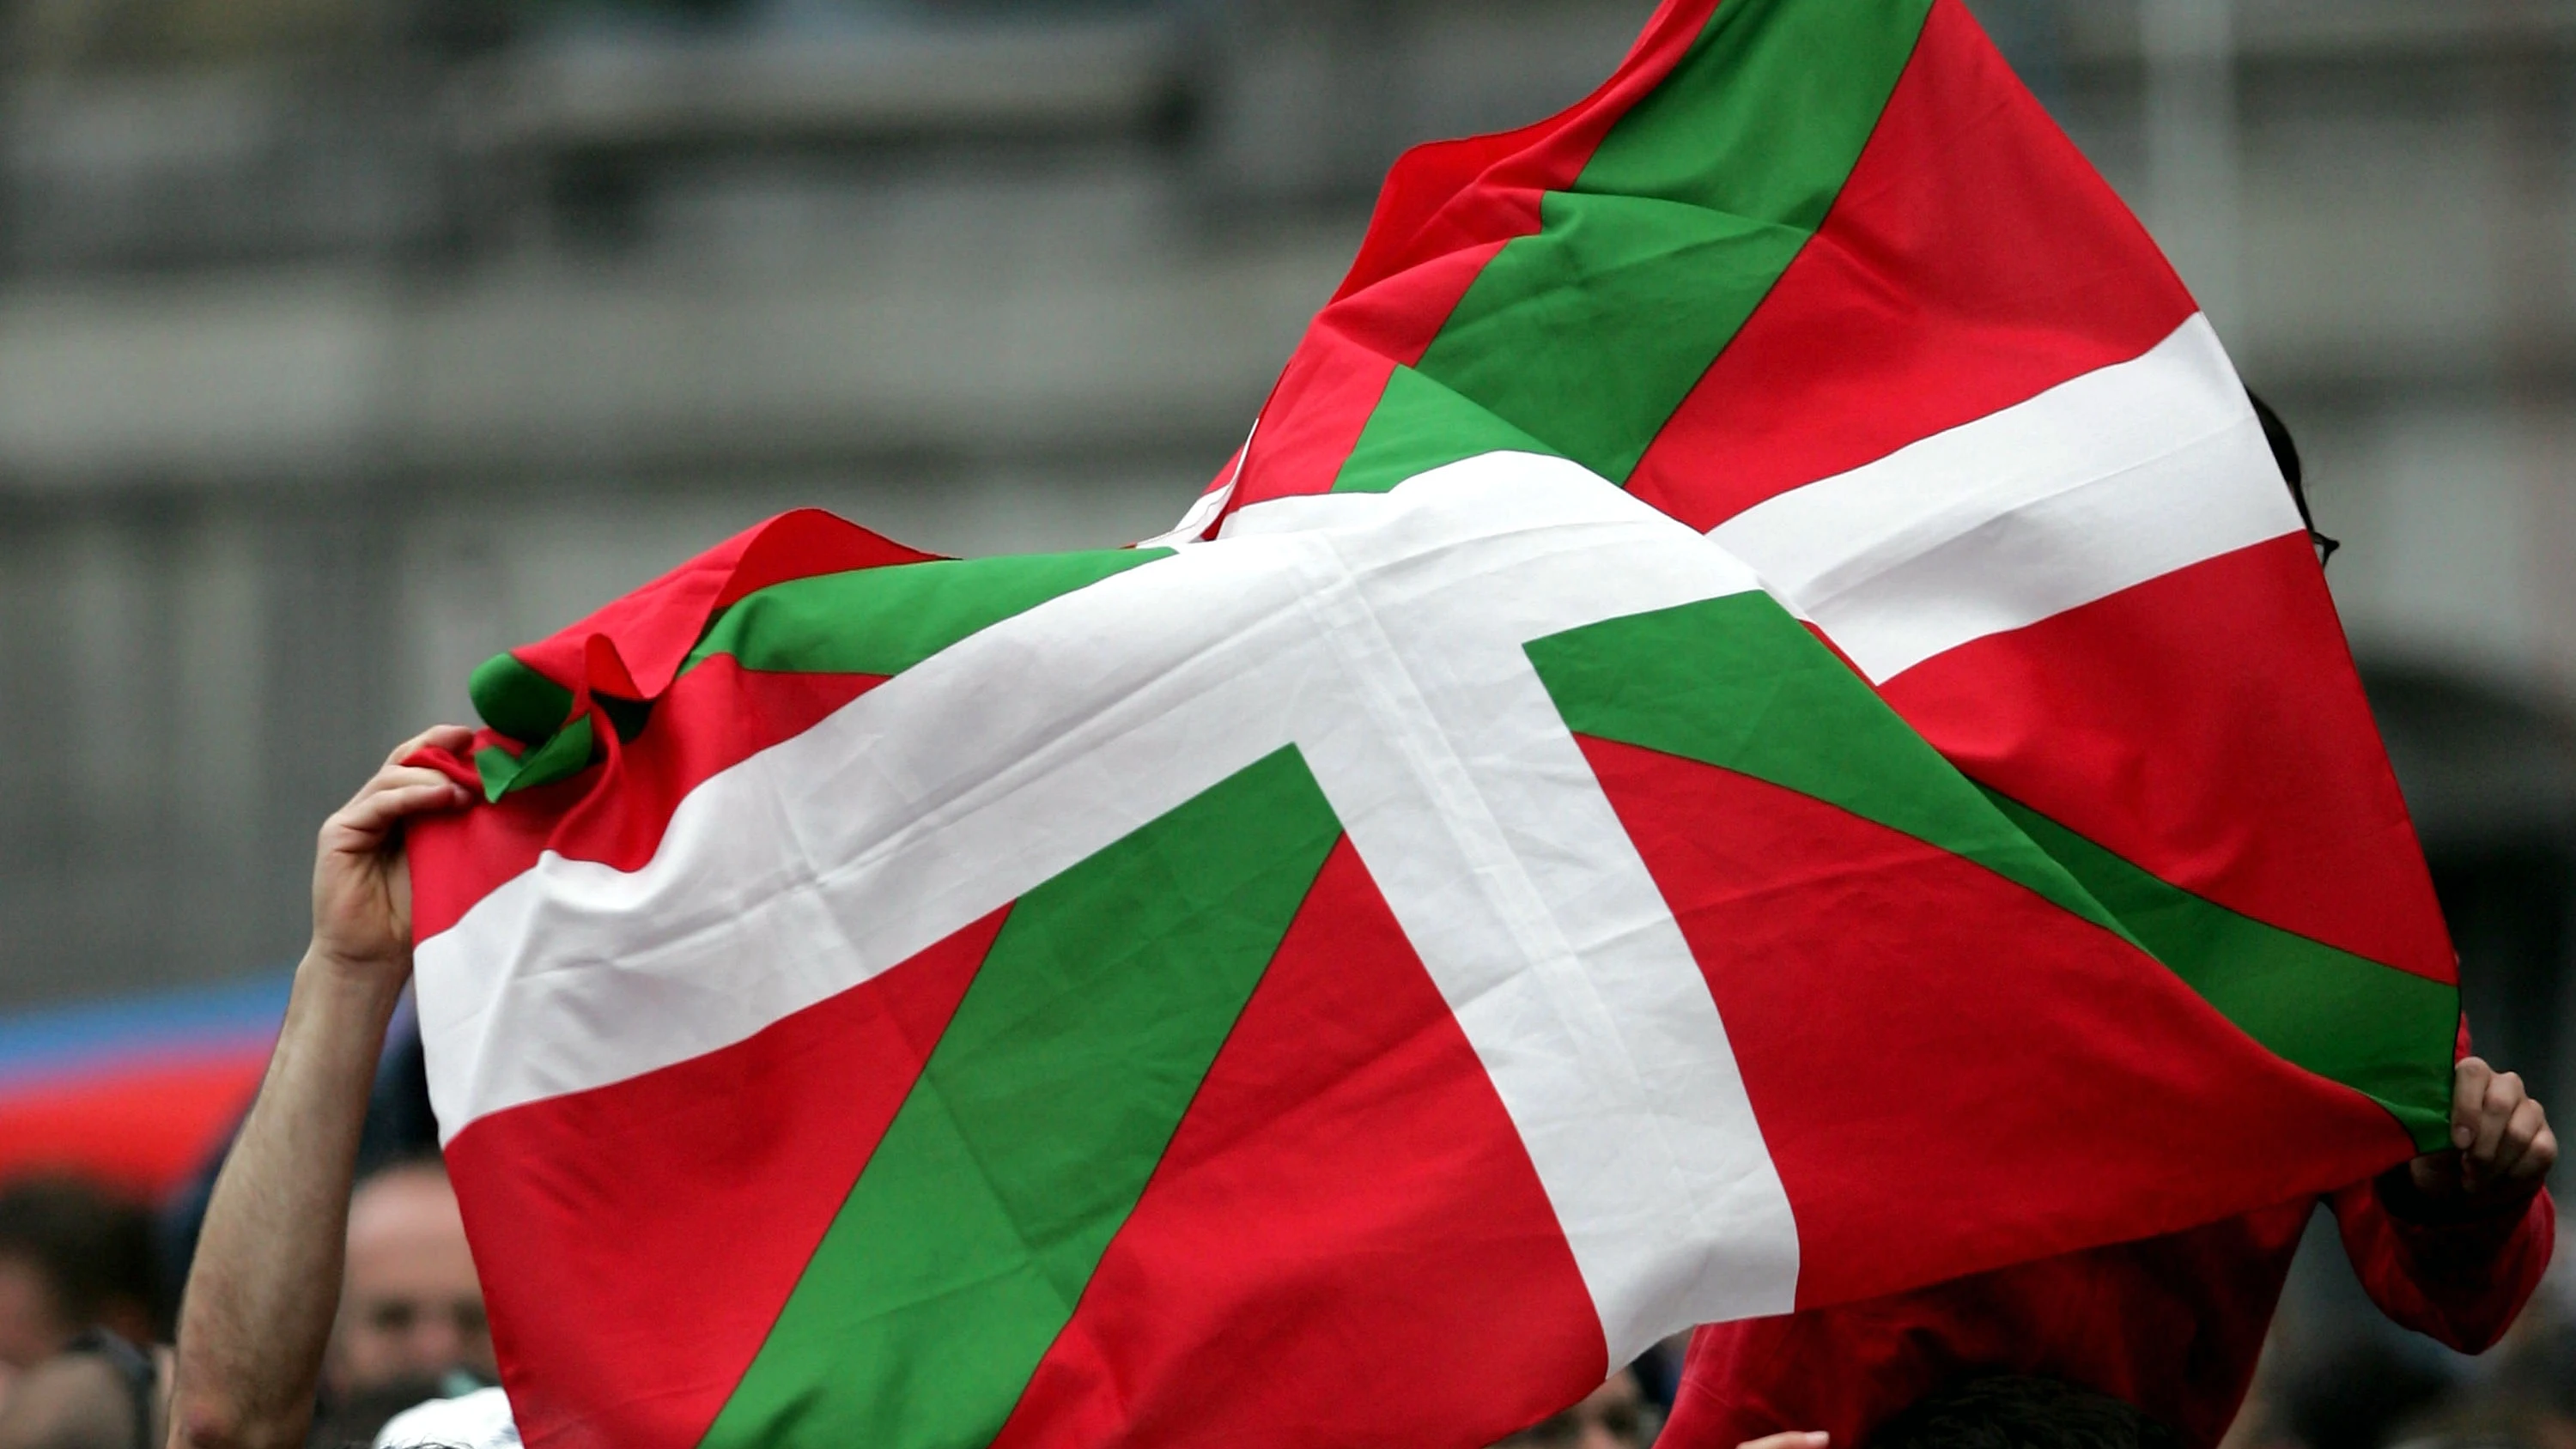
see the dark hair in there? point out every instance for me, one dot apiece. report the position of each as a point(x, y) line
point(2021, 1411)
point(2285, 452)
point(91, 1248)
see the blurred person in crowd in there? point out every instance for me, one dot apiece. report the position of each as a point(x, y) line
point(2002, 1411)
point(2020, 1411)
point(72, 1257)
point(257, 1321)
point(2359, 1385)
point(2489, 1421)
point(104, 1394)
point(1616, 1415)
point(411, 1307)
point(79, 1315)
point(2451, 1245)
point(479, 1420)
point(2530, 1400)
point(2349, 1394)
point(2527, 1400)
point(358, 1421)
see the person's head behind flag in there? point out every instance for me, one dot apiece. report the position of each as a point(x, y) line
point(411, 1305)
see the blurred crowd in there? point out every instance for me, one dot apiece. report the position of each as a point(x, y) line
point(2337, 1380)
point(90, 1278)
point(88, 1282)
point(88, 1288)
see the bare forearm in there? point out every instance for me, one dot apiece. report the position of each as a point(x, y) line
point(266, 1281)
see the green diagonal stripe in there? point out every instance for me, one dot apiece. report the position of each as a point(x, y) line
point(886, 620)
point(1420, 425)
point(1586, 335)
point(961, 1252)
point(2383, 1032)
point(866, 621)
point(1736, 682)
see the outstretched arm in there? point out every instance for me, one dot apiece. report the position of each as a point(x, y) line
point(266, 1281)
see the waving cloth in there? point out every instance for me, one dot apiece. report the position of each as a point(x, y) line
point(1754, 727)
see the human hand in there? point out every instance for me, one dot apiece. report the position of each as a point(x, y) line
point(1794, 1439)
point(361, 883)
point(2501, 1145)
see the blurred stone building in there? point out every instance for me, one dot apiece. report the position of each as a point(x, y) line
point(344, 342)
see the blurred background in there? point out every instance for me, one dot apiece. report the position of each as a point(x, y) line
point(345, 342)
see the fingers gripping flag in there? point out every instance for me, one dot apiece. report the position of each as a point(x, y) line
point(1722, 770)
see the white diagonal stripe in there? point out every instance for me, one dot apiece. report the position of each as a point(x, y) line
point(2097, 485)
point(1382, 635)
